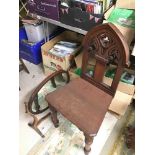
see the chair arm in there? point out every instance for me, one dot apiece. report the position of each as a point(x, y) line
point(37, 89)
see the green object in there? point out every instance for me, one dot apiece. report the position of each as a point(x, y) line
point(123, 17)
point(78, 71)
point(110, 73)
point(126, 77)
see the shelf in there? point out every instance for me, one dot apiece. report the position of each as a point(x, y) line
point(75, 29)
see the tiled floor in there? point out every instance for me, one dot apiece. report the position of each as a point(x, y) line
point(29, 138)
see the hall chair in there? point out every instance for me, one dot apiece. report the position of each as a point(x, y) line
point(85, 100)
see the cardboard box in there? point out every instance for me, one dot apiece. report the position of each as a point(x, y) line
point(127, 4)
point(128, 33)
point(122, 98)
point(51, 62)
point(120, 103)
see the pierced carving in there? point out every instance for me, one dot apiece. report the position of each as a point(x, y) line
point(93, 46)
point(104, 45)
point(104, 41)
point(113, 56)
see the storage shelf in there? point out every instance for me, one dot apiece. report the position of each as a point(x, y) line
point(75, 29)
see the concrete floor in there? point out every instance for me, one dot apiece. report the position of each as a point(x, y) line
point(29, 138)
point(27, 83)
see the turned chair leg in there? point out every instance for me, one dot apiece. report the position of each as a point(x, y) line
point(54, 116)
point(88, 142)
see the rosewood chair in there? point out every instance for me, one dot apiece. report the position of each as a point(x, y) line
point(84, 101)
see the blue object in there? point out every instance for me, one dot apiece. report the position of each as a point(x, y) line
point(22, 34)
point(32, 53)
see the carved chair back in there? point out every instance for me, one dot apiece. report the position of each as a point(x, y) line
point(106, 45)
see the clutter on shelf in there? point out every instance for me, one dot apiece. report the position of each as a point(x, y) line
point(83, 14)
point(46, 8)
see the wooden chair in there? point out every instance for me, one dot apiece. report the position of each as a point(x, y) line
point(84, 101)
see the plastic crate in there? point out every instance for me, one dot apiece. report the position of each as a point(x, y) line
point(22, 34)
point(33, 53)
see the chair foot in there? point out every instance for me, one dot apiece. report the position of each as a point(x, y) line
point(54, 117)
point(88, 142)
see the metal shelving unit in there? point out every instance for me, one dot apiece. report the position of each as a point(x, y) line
point(22, 8)
point(75, 29)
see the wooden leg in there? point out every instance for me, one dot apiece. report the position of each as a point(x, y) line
point(36, 122)
point(36, 129)
point(54, 117)
point(62, 78)
point(26, 111)
point(36, 102)
point(88, 142)
point(53, 83)
point(24, 66)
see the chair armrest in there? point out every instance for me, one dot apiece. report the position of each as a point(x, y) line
point(37, 89)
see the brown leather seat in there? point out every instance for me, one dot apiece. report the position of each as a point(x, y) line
point(82, 103)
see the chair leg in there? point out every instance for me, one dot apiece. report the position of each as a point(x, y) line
point(53, 82)
point(54, 117)
point(36, 122)
point(36, 129)
point(24, 66)
point(34, 125)
point(88, 142)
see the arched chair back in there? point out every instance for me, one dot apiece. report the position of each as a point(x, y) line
point(106, 45)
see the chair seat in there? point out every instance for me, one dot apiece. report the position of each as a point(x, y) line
point(81, 103)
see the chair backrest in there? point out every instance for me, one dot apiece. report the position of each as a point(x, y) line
point(106, 45)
